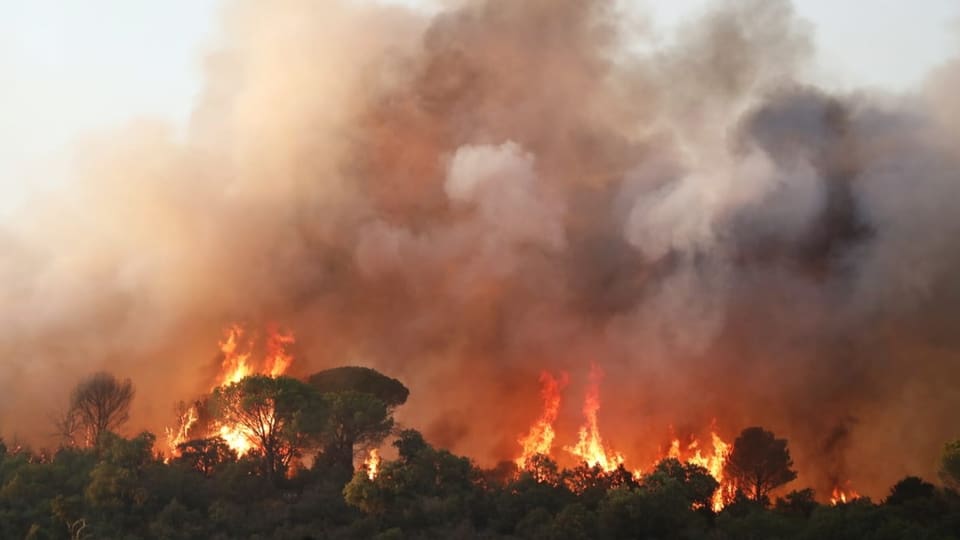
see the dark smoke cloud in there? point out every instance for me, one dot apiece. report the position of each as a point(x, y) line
point(463, 200)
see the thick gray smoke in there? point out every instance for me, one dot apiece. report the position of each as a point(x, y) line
point(463, 200)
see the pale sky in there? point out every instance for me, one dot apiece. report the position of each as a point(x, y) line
point(70, 67)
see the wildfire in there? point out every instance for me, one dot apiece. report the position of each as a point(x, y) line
point(237, 352)
point(372, 464)
point(713, 462)
point(843, 495)
point(234, 366)
point(590, 447)
point(278, 359)
point(539, 440)
point(185, 421)
point(237, 437)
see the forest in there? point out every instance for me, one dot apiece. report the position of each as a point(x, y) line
point(300, 473)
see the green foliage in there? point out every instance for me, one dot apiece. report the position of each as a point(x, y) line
point(645, 512)
point(695, 482)
point(355, 418)
point(361, 403)
point(205, 456)
point(122, 490)
point(424, 488)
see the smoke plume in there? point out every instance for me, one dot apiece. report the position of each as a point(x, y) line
point(465, 199)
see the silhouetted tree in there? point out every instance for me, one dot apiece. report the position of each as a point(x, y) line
point(909, 489)
point(797, 503)
point(67, 427)
point(361, 402)
point(98, 404)
point(950, 464)
point(360, 379)
point(205, 455)
point(695, 482)
point(543, 469)
point(759, 463)
point(355, 418)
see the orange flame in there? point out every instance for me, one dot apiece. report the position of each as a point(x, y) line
point(235, 359)
point(843, 495)
point(539, 439)
point(590, 447)
point(278, 360)
point(372, 464)
point(713, 462)
point(185, 422)
point(236, 364)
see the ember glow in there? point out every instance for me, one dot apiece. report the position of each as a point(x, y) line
point(237, 349)
point(372, 464)
point(843, 495)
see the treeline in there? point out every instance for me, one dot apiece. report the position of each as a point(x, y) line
point(99, 485)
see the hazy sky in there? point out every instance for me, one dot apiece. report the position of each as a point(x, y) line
point(69, 67)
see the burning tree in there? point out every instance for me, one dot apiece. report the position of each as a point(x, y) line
point(240, 356)
point(277, 417)
point(759, 463)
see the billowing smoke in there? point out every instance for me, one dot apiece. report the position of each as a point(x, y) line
point(466, 199)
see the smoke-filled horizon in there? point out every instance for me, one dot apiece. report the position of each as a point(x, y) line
point(466, 199)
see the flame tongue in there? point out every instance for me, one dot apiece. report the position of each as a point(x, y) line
point(278, 360)
point(235, 364)
point(590, 447)
point(237, 352)
point(372, 463)
point(713, 463)
point(540, 438)
point(843, 495)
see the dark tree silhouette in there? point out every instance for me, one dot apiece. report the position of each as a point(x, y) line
point(797, 503)
point(205, 455)
point(950, 464)
point(364, 380)
point(759, 463)
point(361, 402)
point(695, 481)
point(355, 419)
point(98, 404)
point(909, 489)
